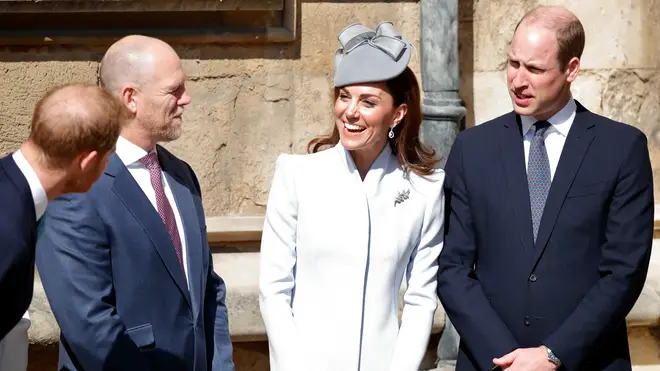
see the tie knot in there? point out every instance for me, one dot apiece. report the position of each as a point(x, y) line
point(541, 127)
point(150, 161)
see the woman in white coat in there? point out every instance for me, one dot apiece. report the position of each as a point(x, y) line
point(345, 223)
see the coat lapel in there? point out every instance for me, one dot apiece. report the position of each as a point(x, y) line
point(186, 206)
point(513, 160)
point(577, 142)
point(129, 192)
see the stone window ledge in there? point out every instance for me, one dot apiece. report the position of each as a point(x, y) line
point(101, 22)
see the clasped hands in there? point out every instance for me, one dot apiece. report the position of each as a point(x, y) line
point(526, 359)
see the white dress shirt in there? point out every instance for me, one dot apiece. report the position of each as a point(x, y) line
point(14, 346)
point(130, 155)
point(38, 191)
point(554, 137)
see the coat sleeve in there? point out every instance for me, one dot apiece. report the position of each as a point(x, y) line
point(623, 265)
point(420, 299)
point(276, 274)
point(73, 259)
point(481, 329)
point(219, 345)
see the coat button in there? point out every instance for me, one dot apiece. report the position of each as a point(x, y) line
point(527, 321)
point(533, 278)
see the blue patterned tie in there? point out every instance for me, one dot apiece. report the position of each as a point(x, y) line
point(538, 174)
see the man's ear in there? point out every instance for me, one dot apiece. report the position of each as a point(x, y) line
point(572, 69)
point(87, 159)
point(129, 98)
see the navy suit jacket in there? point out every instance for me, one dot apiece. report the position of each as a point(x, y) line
point(116, 287)
point(18, 229)
point(572, 289)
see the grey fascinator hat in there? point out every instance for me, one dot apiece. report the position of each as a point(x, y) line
point(366, 55)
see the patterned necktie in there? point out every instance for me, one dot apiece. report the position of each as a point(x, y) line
point(538, 175)
point(165, 211)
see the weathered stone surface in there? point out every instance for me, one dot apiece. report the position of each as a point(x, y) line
point(588, 88)
point(322, 22)
point(43, 327)
point(469, 10)
point(489, 97)
point(633, 97)
point(646, 311)
point(494, 33)
point(620, 33)
point(644, 345)
point(251, 356)
point(240, 272)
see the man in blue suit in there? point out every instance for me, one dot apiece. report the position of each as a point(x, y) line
point(127, 267)
point(73, 132)
point(550, 219)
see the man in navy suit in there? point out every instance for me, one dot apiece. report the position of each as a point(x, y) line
point(74, 130)
point(550, 219)
point(126, 267)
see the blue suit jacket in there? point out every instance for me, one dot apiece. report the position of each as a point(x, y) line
point(115, 285)
point(572, 289)
point(18, 228)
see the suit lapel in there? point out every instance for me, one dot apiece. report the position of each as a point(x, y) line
point(577, 142)
point(129, 192)
point(513, 160)
point(186, 206)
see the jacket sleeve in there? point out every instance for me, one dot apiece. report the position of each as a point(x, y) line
point(420, 299)
point(219, 345)
point(482, 331)
point(276, 274)
point(73, 259)
point(623, 265)
point(219, 349)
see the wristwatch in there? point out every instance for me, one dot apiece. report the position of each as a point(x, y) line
point(552, 357)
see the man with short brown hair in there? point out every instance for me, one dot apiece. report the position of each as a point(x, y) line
point(550, 219)
point(74, 130)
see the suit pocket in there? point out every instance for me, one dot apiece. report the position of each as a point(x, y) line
point(581, 190)
point(142, 336)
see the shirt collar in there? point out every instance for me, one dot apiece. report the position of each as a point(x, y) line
point(560, 121)
point(128, 152)
point(38, 192)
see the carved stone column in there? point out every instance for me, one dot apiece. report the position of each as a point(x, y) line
point(442, 107)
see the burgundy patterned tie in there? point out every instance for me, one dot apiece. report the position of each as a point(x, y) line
point(150, 161)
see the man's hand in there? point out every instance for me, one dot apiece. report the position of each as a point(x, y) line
point(526, 359)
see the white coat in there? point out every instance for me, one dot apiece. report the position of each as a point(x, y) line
point(333, 254)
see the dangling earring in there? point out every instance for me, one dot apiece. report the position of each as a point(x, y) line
point(391, 134)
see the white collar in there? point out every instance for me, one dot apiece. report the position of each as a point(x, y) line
point(128, 152)
point(385, 163)
point(38, 192)
point(561, 120)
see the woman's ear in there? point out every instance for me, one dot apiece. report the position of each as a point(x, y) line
point(400, 113)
